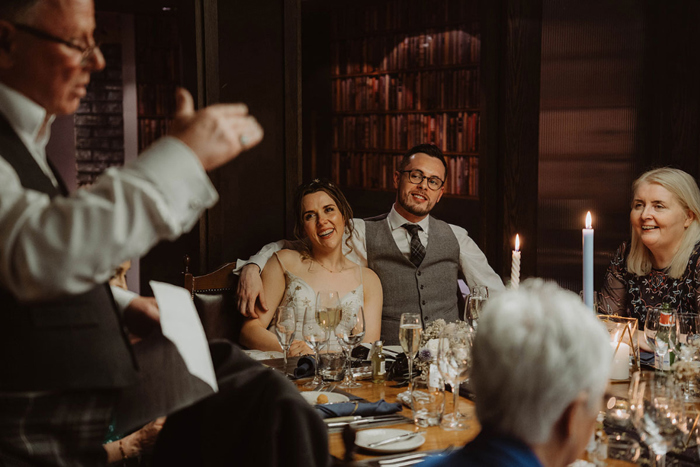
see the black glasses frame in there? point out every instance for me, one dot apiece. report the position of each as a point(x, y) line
point(416, 177)
point(86, 51)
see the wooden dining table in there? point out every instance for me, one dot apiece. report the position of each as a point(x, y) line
point(437, 439)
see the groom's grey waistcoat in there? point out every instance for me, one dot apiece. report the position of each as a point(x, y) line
point(430, 289)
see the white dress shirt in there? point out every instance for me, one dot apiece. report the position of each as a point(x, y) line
point(67, 245)
point(472, 261)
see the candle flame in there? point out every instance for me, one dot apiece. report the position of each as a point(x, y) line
point(517, 242)
point(588, 220)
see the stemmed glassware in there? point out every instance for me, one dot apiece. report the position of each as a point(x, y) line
point(454, 363)
point(285, 326)
point(328, 310)
point(315, 334)
point(350, 332)
point(688, 330)
point(478, 295)
point(658, 413)
point(410, 331)
point(659, 334)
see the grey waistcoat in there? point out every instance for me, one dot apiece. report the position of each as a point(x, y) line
point(72, 342)
point(430, 289)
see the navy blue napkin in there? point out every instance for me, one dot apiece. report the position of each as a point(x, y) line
point(646, 358)
point(343, 409)
point(306, 366)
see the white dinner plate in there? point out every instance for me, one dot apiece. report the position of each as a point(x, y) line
point(312, 397)
point(366, 437)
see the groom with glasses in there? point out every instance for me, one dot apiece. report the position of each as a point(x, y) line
point(417, 257)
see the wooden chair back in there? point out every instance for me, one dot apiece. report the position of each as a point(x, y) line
point(214, 297)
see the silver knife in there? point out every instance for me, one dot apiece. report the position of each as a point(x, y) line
point(402, 459)
point(395, 439)
point(360, 420)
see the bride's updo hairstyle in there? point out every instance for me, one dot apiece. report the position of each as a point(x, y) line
point(332, 190)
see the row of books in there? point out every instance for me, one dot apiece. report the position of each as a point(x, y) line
point(432, 47)
point(426, 90)
point(362, 19)
point(452, 132)
point(150, 129)
point(156, 99)
point(376, 172)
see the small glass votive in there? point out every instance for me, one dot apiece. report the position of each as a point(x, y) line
point(624, 344)
point(427, 401)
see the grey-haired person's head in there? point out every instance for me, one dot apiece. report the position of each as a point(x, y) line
point(538, 349)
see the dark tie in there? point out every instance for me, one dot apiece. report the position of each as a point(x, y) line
point(417, 248)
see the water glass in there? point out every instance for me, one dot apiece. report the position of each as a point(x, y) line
point(428, 400)
point(658, 413)
point(332, 366)
point(454, 363)
point(315, 335)
point(350, 332)
point(654, 325)
point(285, 326)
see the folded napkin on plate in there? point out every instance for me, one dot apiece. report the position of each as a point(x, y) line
point(342, 409)
point(306, 366)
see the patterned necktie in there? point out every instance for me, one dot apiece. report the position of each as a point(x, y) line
point(417, 248)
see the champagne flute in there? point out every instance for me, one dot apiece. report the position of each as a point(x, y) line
point(454, 363)
point(285, 326)
point(315, 335)
point(350, 332)
point(478, 295)
point(410, 331)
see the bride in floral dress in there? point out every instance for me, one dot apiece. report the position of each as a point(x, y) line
point(323, 215)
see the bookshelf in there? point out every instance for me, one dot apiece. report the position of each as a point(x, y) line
point(157, 74)
point(405, 72)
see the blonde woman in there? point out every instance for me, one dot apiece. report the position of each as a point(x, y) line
point(661, 263)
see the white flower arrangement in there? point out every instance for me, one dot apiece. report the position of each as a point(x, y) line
point(429, 342)
point(687, 367)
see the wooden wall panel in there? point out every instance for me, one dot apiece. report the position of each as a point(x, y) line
point(519, 99)
point(251, 68)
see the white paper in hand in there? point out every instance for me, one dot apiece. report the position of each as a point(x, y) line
point(180, 323)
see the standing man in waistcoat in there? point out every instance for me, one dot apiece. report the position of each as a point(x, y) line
point(63, 351)
point(417, 257)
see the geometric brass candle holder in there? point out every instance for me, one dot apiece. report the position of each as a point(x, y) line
point(623, 330)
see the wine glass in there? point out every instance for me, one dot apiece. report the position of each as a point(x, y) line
point(315, 334)
point(285, 326)
point(688, 327)
point(410, 331)
point(350, 332)
point(454, 363)
point(655, 327)
point(328, 310)
point(658, 413)
point(478, 295)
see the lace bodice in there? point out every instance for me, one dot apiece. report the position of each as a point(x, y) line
point(302, 295)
